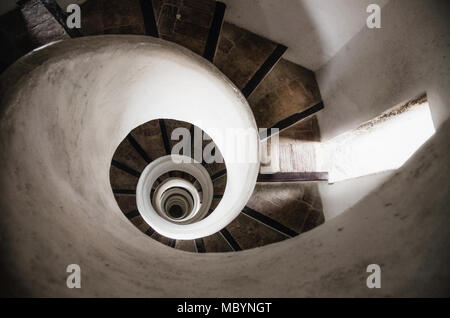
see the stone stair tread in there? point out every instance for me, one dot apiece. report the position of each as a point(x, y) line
point(127, 203)
point(158, 237)
point(42, 27)
point(241, 53)
point(250, 233)
point(185, 245)
point(121, 179)
point(112, 17)
point(185, 22)
point(220, 184)
point(126, 154)
point(14, 37)
point(150, 139)
point(305, 130)
point(288, 89)
point(214, 204)
point(92, 20)
point(139, 222)
point(289, 204)
point(297, 147)
point(216, 244)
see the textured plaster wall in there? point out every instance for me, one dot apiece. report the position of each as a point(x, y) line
point(380, 68)
point(313, 30)
point(57, 207)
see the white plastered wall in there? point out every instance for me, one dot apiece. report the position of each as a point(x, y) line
point(380, 68)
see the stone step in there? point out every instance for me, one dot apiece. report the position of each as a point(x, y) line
point(42, 26)
point(274, 213)
point(291, 204)
point(287, 90)
point(121, 179)
point(186, 22)
point(126, 154)
point(216, 244)
point(186, 245)
point(250, 233)
point(149, 137)
point(127, 203)
point(297, 151)
point(240, 53)
point(32, 24)
point(160, 238)
point(305, 130)
point(171, 125)
point(112, 17)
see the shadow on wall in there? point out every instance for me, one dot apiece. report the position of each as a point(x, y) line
point(280, 21)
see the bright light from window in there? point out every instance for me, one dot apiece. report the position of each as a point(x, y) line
point(382, 144)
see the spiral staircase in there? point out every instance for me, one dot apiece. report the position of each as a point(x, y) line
point(77, 139)
point(281, 95)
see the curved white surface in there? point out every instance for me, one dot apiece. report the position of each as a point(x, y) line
point(65, 108)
